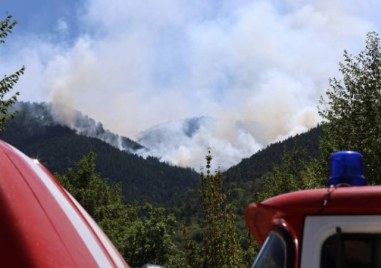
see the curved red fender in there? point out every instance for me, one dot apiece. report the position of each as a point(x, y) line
point(42, 225)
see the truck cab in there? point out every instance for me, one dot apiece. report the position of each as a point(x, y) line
point(337, 226)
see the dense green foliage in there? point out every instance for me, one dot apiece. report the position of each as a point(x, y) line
point(103, 202)
point(220, 244)
point(352, 108)
point(142, 234)
point(262, 162)
point(145, 234)
point(294, 173)
point(9, 81)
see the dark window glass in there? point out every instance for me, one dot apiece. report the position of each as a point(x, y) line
point(276, 252)
point(351, 251)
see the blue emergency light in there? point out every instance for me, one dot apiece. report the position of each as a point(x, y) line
point(347, 169)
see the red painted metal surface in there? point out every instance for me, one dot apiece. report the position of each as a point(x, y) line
point(290, 210)
point(41, 224)
point(294, 207)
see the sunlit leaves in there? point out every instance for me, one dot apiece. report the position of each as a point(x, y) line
point(9, 81)
point(352, 108)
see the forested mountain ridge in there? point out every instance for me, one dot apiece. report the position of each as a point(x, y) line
point(46, 114)
point(263, 161)
point(59, 147)
point(34, 131)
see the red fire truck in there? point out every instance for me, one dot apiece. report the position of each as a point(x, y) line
point(42, 225)
point(339, 226)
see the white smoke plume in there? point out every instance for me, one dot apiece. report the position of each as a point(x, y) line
point(186, 141)
point(256, 67)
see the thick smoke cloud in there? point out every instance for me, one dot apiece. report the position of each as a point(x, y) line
point(184, 142)
point(256, 67)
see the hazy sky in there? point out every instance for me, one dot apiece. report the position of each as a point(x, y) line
point(130, 64)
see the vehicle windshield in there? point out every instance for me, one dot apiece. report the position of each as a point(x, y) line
point(275, 252)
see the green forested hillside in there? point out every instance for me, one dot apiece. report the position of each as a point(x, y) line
point(34, 132)
point(59, 148)
point(262, 162)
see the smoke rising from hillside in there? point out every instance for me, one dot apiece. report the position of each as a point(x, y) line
point(185, 142)
point(256, 67)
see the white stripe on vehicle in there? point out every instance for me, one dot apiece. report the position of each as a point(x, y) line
point(101, 235)
point(76, 220)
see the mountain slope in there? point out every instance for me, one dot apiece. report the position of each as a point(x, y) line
point(59, 147)
point(263, 161)
point(35, 132)
point(46, 114)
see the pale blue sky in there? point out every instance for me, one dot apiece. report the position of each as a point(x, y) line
point(44, 16)
point(135, 64)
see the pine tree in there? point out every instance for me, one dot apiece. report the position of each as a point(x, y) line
point(220, 245)
point(149, 239)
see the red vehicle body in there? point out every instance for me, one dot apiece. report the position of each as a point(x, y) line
point(42, 225)
point(331, 227)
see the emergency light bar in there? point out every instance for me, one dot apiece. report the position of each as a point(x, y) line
point(347, 169)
